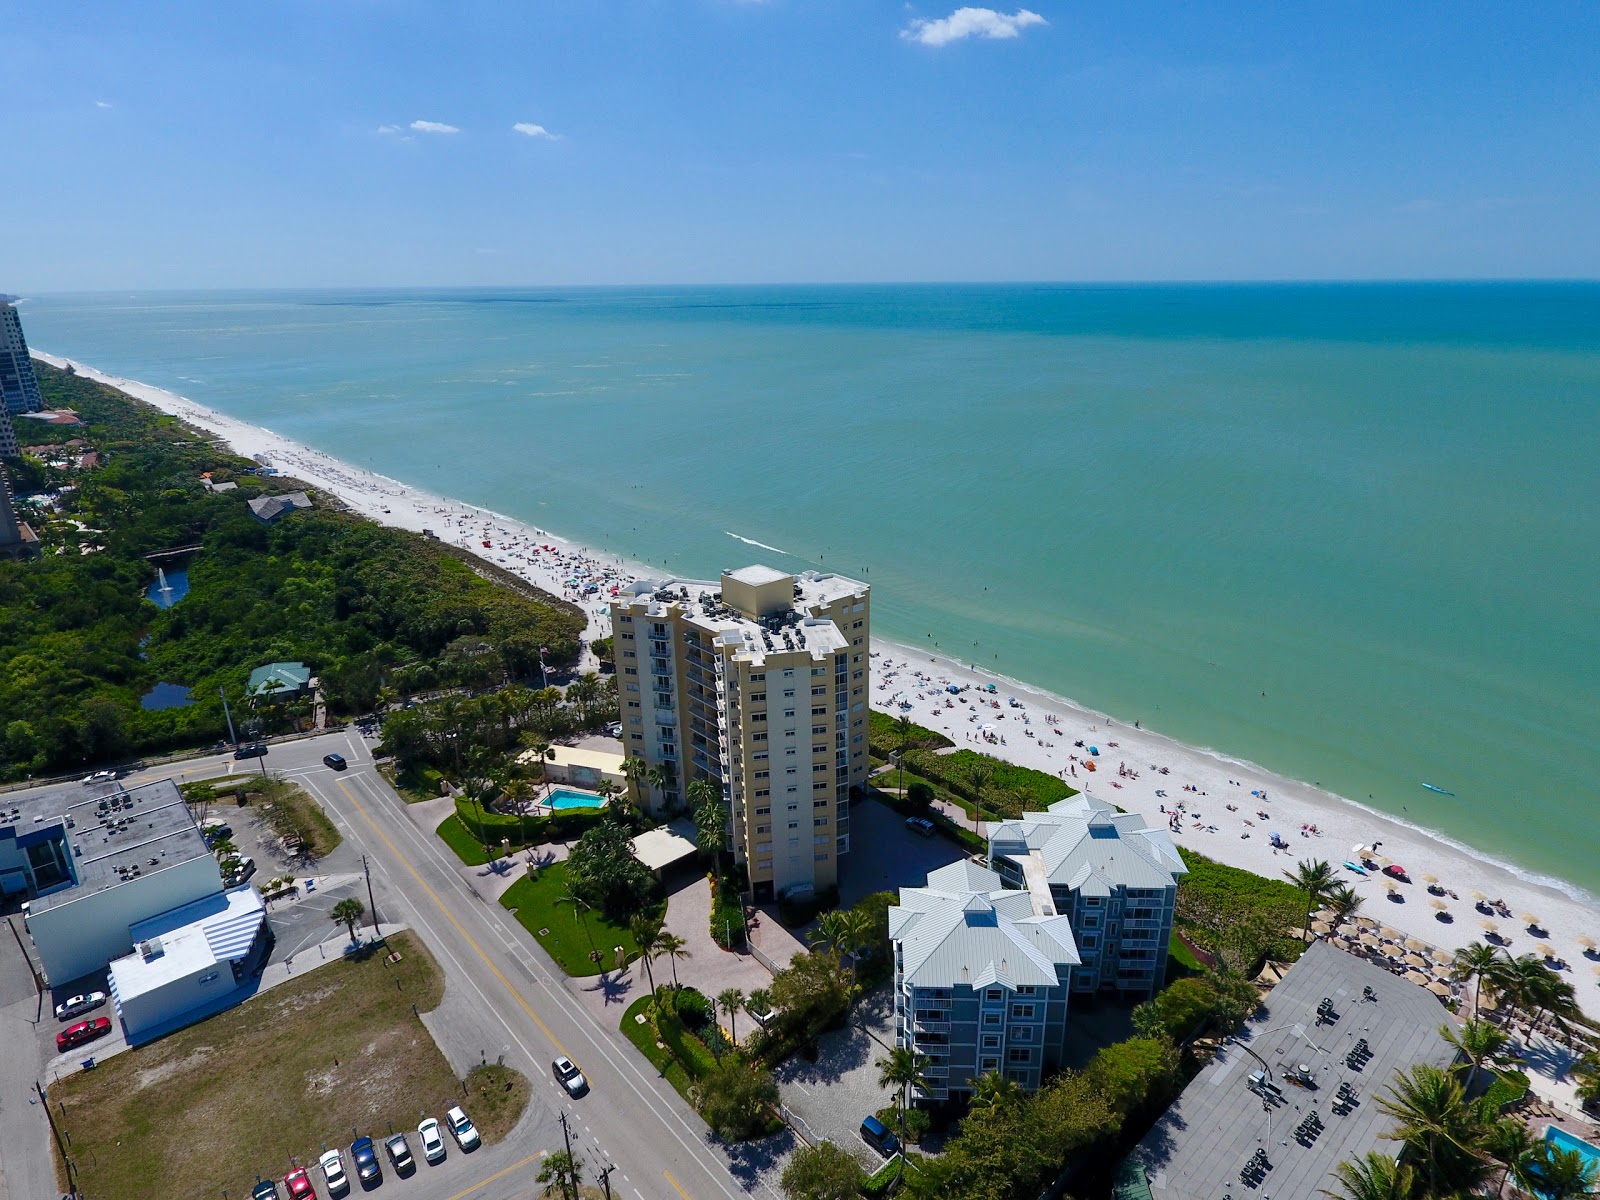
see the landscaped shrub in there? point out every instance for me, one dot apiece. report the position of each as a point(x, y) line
point(883, 736)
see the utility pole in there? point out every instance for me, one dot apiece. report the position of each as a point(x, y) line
point(371, 903)
point(566, 1135)
point(55, 1129)
point(605, 1180)
point(232, 736)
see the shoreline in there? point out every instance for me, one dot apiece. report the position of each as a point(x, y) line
point(1039, 732)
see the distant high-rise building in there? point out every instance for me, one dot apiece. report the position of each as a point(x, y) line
point(19, 386)
point(756, 683)
point(8, 436)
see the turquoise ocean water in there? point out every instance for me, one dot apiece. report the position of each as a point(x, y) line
point(1348, 532)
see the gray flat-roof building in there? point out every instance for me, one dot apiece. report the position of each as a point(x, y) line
point(19, 386)
point(1298, 1086)
point(94, 861)
point(1114, 877)
point(981, 976)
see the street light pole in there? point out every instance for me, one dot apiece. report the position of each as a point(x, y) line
point(371, 903)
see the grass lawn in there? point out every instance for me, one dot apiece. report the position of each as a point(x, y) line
point(496, 1096)
point(459, 838)
point(290, 809)
point(415, 784)
point(642, 1035)
point(333, 1050)
point(559, 928)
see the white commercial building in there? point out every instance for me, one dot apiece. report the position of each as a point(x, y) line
point(191, 962)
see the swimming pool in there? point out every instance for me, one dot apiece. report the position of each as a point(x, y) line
point(564, 798)
point(1563, 1140)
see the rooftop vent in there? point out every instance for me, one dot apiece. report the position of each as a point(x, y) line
point(152, 949)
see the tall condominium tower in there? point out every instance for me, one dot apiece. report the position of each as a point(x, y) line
point(12, 541)
point(758, 684)
point(19, 387)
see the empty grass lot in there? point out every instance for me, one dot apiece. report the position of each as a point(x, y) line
point(330, 1052)
point(559, 927)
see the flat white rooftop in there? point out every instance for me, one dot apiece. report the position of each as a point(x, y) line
point(177, 944)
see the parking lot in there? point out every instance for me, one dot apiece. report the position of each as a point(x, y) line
point(891, 856)
point(832, 1095)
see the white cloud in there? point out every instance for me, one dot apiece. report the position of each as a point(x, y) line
point(971, 22)
point(433, 127)
point(388, 129)
point(534, 131)
point(101, 104)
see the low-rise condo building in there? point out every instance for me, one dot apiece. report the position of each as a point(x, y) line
point(982, 975)
point(758, 683)
point(1112, 875)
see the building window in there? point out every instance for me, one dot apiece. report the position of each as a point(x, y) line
point(991, 1041)
point(992, 994)
point(758, 678)
point(990, 1064)
point(991, 1019)
point(756, 697)
point(1022, 1012)
point(1018, 1056)
point(630, 670)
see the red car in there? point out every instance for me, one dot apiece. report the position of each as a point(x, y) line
point(299, 1184)
point(83, 1031)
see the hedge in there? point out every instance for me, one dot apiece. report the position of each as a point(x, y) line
point(883, 735)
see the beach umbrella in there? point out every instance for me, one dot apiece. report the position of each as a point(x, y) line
point(1367, 922)
point(1595, 968)
point(1547, 950)
point(1416, 976)
point(1416, 944)
point(1321, 927)
point(1384, 862)
point(1479, 896)
point(1439, 989)
point(1427, 878)
point(1369, 939)
point(1439, 904)
point(1443, 957)
point(1389, 935)
point(1491, 926)
point(1586, 941)
point(1528, 917)
point(1415, 960)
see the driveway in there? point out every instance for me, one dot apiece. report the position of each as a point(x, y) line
point(886, 856)
point(832, 1095)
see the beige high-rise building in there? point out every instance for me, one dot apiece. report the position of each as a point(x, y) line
point(757, 683)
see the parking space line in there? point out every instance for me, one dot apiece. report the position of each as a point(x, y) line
point(483, 1183)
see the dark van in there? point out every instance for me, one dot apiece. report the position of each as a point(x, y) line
point(876, 1134)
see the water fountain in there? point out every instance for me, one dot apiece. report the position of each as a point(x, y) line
point(164, 588)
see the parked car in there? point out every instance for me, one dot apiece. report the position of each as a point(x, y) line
point(365, 1155)
point(336, 761)
point(84, 1031)
point(571, 1078)
point(299, 1186)
point(920, 825)
point(214, 829)
point(432, 1140)
point(462, 1128)
point(332, 1164)
point(614, 729)
point(236, 870)
point(399, 1152)
point(265, 1190)
point(251, 750)
point(76, 1006)
point(100, 777)
point(877, 1135)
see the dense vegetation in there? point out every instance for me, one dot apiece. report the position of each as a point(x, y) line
point(1001, 788)
point(365, 607)
point(1237, 914)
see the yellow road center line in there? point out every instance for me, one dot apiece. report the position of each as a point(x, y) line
point(675, 1186)
point(483, 1183)
point(449, 916)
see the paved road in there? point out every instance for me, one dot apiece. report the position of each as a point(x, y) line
point(504, 999)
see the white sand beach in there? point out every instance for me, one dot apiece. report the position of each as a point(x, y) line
point(1225, 809)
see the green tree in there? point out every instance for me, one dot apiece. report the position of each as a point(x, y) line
point(672, 949)
point(348, 912)
point(994, 1090)
point(823, 1172)
point(1478, 1042)
point(710, 819)
point(811, 995)
point(604, 871)
point(637, 772)
point(1373, 1176)
point(1343, 902)
point(1438, 1126)
point(1315, 878)
point(561, 1174)
point(1510, 1143)
point(731, 1001)
point(736, 1099)
point(903, 726)
point(1557, 1174)
point(1475, 962)
point(1587, 1072)
point(902, 1070)
point(647, 936)
point(979, 776)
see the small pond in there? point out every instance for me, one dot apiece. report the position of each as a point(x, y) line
point(177, 587)
point(165, 695)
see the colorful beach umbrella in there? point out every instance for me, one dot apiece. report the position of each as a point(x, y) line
point(1586, 941)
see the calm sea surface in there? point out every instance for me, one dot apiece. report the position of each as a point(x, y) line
point(1349, 532)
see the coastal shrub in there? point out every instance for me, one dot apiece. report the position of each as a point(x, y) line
point(823, 1172)
point(80, 644)
point(1237, 913)
point(883, 735)
point(920, 793)
point(1506, 1089)
point(1012, 791)
point(919, 1122)
point(738, 1099)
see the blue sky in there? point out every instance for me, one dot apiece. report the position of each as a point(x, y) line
point(334, 142)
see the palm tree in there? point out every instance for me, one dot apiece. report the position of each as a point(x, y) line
point(637, 773)
point(980, 775)
point(674, 947)
point(1477, 962)
point(662, 776)
point(1438, 1125)
point(1373, 1176)
point(348, 912)
point(758, 1003)
point(647, 936)
point(518, 794)
point(903, 726)
point(1316, 879)
point(539, 750)
point(710, 821)
point(1343, 902)
point(607, 790)
point(1556, 1174)
point(1478, 1042)
point(994, 1090)
point(730, 1001)
point(1587, 1072)
point(1510, 1143)
point(561, 1175)
point(901, 1069)
point(1148, 1022)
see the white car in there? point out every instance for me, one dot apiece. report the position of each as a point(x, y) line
point(76, 1006)
point(432, 1140)
point(569, 1076)
point(462, 1128)
point(332, 1164)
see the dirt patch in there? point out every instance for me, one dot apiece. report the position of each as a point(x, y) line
point(157, 1071)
